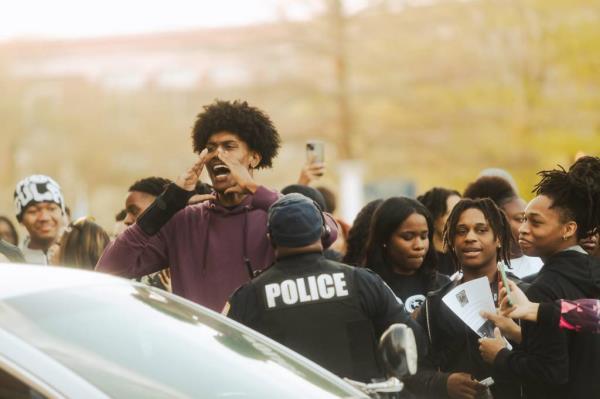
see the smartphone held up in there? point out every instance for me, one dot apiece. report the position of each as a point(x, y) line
point(502, 270)
point(315, 152)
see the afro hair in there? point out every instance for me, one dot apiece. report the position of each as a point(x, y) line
point(251, 124)
point(495, 188)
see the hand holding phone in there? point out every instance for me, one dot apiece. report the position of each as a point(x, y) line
point(521, 308)
point(315, 151)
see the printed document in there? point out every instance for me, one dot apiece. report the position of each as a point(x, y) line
point(470, 298)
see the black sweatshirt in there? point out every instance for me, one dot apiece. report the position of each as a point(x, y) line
point(551, 362)
point(412, 289)
point(453, 348)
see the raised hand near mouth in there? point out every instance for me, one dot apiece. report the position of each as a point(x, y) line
point(241, 175)
point(188, 180)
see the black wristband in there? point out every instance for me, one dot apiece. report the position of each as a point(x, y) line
point(171, 201)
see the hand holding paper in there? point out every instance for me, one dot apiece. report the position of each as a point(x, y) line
point(489, 347)
point(468, 300)
point(507, 326)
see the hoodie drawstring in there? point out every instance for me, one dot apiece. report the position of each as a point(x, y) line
point(245, 245)
point(246, 258)
point(206, 239)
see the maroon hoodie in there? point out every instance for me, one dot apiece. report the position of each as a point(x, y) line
point(205, 245)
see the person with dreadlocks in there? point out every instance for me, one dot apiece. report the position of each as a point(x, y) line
point(440, 201)
point(478, 236)
point(399, 249)
point(554, 363)
point(499, 190)
point(216, 245)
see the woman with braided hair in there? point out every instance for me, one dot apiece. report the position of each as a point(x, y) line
point(553, 363)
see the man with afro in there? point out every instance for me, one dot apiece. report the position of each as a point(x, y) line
point(214, 246)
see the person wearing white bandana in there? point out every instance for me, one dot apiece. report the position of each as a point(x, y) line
point(40, 208)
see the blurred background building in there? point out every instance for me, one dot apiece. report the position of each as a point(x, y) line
point(413, 93)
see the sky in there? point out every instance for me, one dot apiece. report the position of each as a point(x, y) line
point(94, 18)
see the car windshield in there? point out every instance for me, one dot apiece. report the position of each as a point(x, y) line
point(134, 342)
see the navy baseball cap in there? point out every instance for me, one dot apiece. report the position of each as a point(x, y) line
point(308, 192)
point(295, 221)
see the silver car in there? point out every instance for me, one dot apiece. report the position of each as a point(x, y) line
point(67, 333)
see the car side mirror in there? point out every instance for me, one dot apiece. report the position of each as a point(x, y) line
point(398, 351)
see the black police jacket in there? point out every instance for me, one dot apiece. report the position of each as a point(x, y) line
point(327, 311)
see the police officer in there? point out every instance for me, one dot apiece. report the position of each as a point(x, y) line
point(330, 312)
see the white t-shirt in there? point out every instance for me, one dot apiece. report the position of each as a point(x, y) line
point(525, 266)
point(33, 256)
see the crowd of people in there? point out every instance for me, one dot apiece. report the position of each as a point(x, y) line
point(281, 263)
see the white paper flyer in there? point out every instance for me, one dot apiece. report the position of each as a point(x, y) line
point(470, 298)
